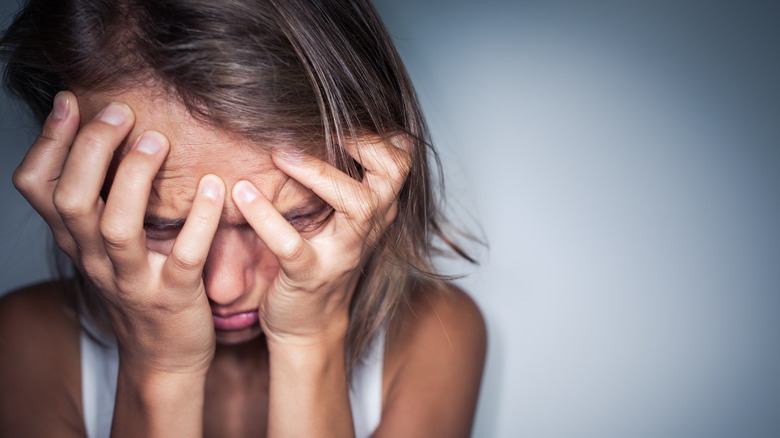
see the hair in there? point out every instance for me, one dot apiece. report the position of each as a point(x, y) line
point(317, 74)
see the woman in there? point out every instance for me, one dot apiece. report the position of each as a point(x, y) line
point(244, 189)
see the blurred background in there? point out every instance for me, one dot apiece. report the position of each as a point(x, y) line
point(622, 159)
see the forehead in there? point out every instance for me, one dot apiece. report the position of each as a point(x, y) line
point(196, 149)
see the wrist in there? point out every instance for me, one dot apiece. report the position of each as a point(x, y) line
point(158, 361)
point(156, 403)
point(325, 331)
point(307, 350)
point(158, 388)
point(308, 362)
point(308, 381)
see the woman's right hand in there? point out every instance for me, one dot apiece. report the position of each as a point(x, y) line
point(157, 303)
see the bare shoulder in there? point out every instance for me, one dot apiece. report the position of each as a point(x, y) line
point(40, 312)
point(442, 318)
point(39, 364)
point(436, 350)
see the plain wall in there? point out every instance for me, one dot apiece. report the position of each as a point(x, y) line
point(24, 246)
point(623, 158)
point(623, 161)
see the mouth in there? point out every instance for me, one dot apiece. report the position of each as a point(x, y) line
point(236, 321)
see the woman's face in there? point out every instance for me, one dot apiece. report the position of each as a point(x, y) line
point(239, 268)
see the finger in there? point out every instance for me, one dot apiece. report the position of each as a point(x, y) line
point(77, 194)
point(295, 255)
point(123, 215)
point(185, 263)
point(386, 164)
point(347, 196)
point(37, 175)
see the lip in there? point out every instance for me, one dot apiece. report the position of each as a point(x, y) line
point(235, 321)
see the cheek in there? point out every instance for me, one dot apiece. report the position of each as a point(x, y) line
point(268, 268)
point(162, 246)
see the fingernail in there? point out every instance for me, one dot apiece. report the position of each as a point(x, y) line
point(210, 188)
point(149, 144)
point(289, 153)
point(246, 192)
point(60, 107)
point(114, 114)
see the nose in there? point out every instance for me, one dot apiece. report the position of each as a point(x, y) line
point(229, 272)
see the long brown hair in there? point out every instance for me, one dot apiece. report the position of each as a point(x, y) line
point(317, 74)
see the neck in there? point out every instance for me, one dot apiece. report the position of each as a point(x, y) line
point(236, 401)
point(252, 354)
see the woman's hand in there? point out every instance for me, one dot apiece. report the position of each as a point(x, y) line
point(305, 312)
point(308, 302)
point(157, 303)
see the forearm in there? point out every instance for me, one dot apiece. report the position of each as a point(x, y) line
point(309, 391)
point(158, 405)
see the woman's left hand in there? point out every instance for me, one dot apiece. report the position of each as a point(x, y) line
point(308, 301)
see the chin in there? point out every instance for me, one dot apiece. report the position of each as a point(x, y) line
point(235, 337)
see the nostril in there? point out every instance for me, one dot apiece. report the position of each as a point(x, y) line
point(227, 283)
point(225, 280)
point(224, 295)
point(231, 272)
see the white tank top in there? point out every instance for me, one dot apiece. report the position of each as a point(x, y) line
point(100, 366)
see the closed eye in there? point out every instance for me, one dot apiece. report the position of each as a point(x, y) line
point(311, 221)
point(305, 220)
point(162, 229)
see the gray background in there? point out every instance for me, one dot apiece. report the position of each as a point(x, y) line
point(623, 160)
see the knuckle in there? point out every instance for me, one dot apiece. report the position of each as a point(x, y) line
point(90, 140)
point(203, 220)
point(94, 270)
point(322, 171)
point(133, 171)
point(200, 218)
point(49, 134)
point(184, 263)
point(114, 235)
point(70, 204)
point(400, 148)
point(294, 251)
point(368, 206)
point(403, 163)
point(25, 181)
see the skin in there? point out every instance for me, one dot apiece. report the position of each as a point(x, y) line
point(258, 239)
